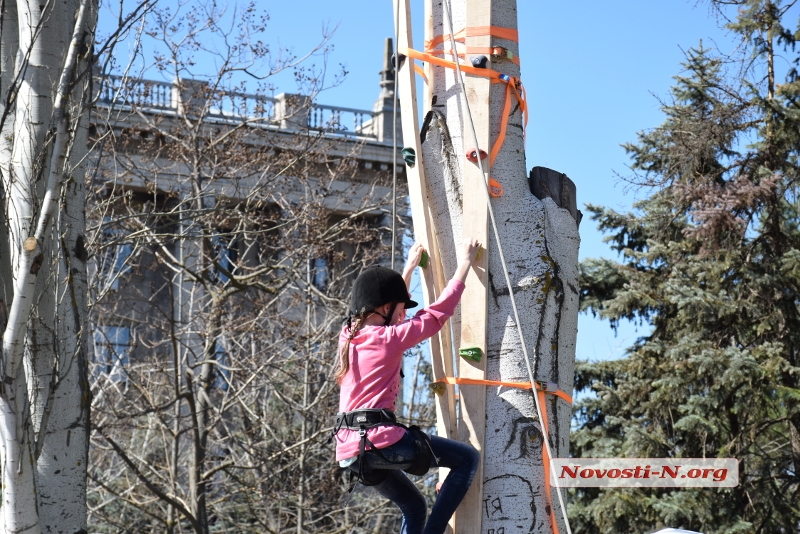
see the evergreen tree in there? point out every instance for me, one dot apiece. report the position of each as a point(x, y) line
point(711, 261)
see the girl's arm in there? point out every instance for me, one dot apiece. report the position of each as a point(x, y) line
point(431, 319)
point(465, 258)
point(414, 257)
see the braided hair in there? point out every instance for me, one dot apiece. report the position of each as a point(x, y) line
point(344, 355)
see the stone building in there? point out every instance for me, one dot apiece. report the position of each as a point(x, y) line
point(169, 217)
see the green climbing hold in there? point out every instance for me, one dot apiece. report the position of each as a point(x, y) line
point(409, 156)
point(472, 353)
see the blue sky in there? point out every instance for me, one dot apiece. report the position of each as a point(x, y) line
point(593, 71)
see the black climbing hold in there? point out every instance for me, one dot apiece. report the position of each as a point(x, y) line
point(394, 60)
point(479, 62)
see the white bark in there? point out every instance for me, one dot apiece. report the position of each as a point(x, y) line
point(50, 416)
point(62, 462)
point(540, 241)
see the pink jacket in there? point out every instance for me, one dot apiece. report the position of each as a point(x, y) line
point(376, 355)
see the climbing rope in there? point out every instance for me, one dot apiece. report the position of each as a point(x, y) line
point(395, 68)
point(537, 401)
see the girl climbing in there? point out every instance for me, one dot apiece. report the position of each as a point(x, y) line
point(369, 441)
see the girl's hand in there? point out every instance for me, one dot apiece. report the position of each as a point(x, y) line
point(414, 257)
point(466, 255)
point(468, 251)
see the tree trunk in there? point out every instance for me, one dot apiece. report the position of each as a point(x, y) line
point(192, 300)
point(540, 243)
point(44, 399)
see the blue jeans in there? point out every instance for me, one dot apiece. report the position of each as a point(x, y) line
point(462, 459)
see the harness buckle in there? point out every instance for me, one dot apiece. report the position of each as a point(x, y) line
point(362, 432)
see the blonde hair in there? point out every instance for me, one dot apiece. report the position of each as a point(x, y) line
point(344, 355)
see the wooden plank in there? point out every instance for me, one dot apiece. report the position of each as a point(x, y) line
point(446, 343)
point(474, 311)
point(432, 277)
point(428, 67)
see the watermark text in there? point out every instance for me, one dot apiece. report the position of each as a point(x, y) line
point(645, 472)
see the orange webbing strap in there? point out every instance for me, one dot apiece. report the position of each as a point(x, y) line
point(475, 31)
point(501, 136)
point(521, 385)
point(469, 69)
point(496, 77)
point(440, 39)
point(494, 31)
point(421, 72)
point(546, 462)
point(474, 50)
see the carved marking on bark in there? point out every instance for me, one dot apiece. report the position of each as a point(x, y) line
point(524, 432)
point(496, 495)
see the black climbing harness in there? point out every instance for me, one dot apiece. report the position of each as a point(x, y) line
point(368, 418)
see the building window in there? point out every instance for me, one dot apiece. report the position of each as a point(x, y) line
point(222, 372)
point(225, 253)
point(113, 260)
point(319, 273)
point(112, 346)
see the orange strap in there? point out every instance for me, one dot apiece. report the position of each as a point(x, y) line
point(546, 462)
point(439, 39)
point(495, 188)
point(495, 77)
point(469, 69)
point(494, 31)
point(419, 70)
point(501, 136)
point(521, 385)
point(475, 31)
point(475, 50)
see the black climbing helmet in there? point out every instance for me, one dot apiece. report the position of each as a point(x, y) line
point(377, 286)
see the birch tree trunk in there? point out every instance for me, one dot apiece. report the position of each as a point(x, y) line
point(44, 394)
point(540, 242)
